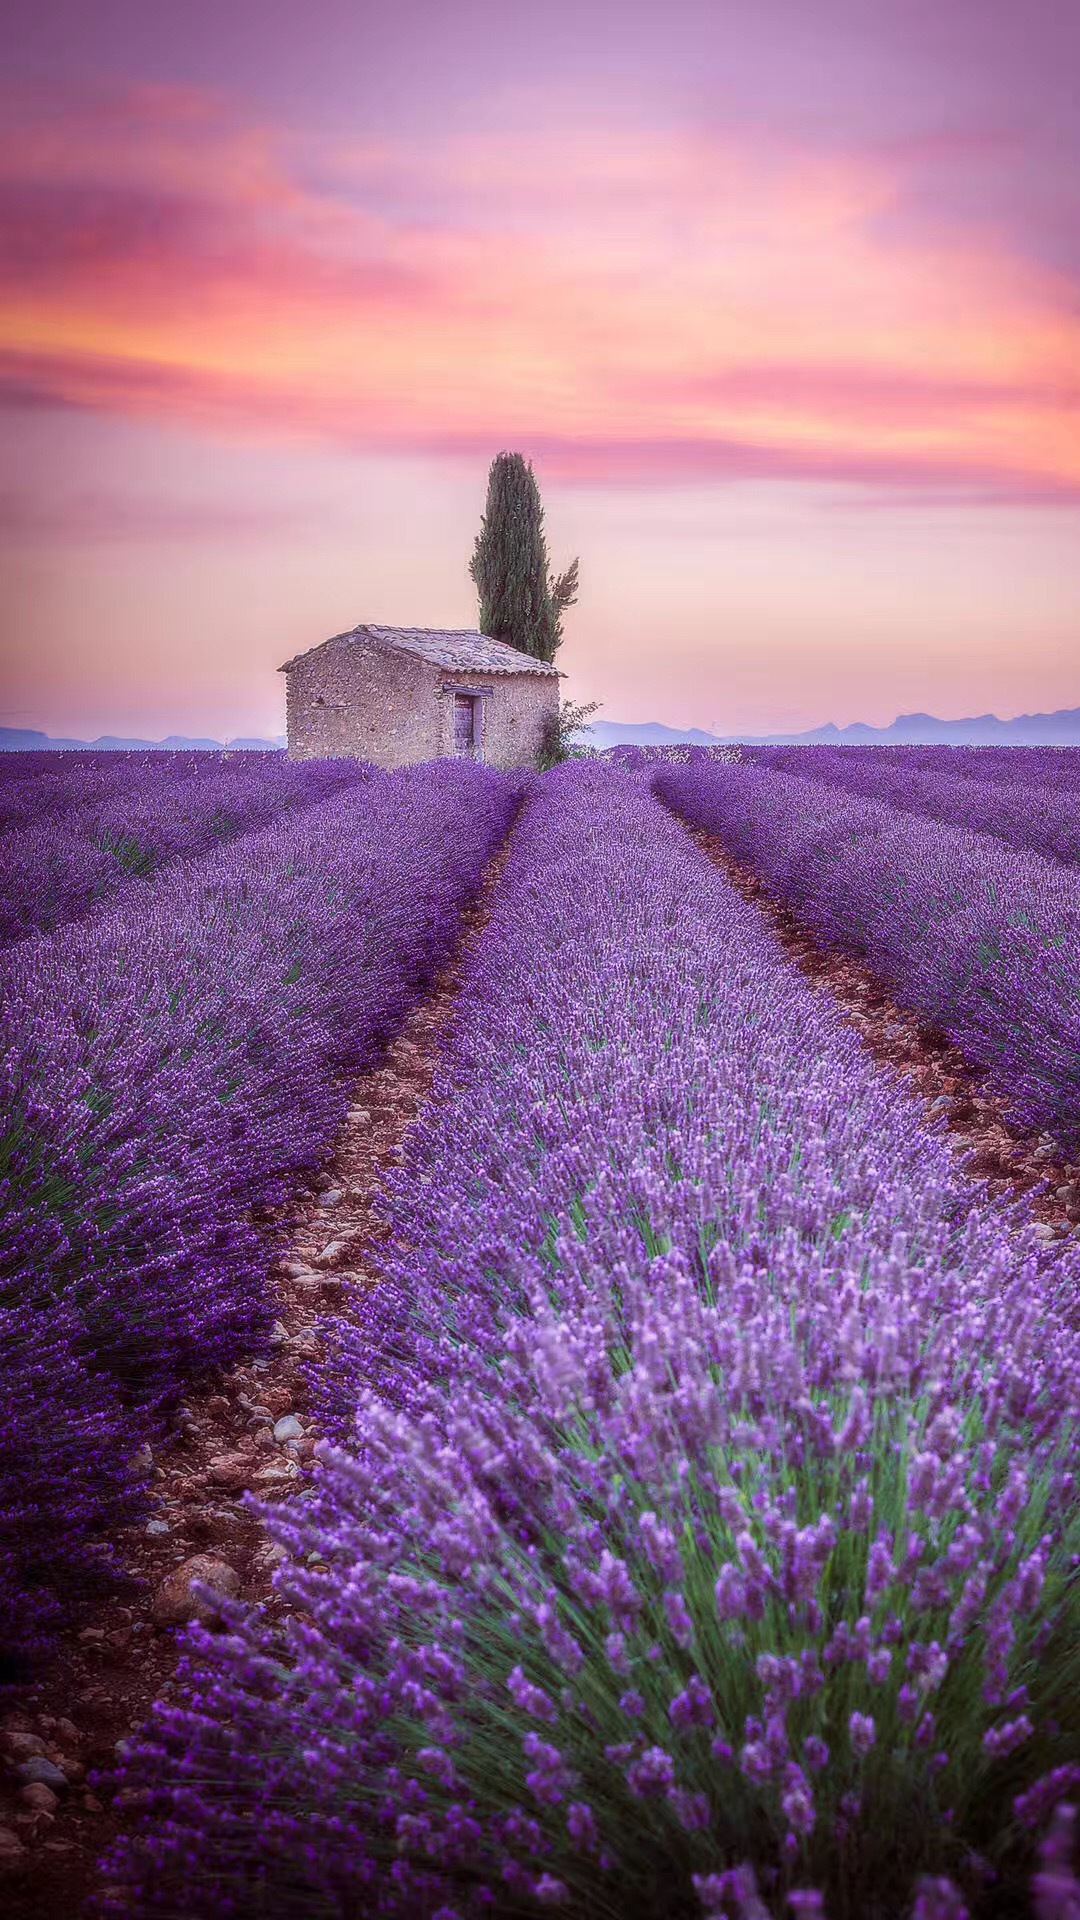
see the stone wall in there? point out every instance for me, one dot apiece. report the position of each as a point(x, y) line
point(384, 704)
point(352, 698)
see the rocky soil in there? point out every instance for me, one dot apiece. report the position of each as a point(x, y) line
point(239, 1434)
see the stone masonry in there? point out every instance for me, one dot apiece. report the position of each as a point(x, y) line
point(395, 695)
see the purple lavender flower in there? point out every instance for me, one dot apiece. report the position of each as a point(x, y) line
point(999, 1741)
point(548, 1778)
point(581, 1826)
point(862, 1733)
point(529, 1698)
point(797, 1800)
point(693, 1707)
point(730, 1592)
point(1035, 1806)
point(679, 1619)
point(652, 1773)
point(939, 1899)
point(1055, 1887)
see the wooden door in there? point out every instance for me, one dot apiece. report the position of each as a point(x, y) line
point(464, 724)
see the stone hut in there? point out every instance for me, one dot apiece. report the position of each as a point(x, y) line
point(395, 695)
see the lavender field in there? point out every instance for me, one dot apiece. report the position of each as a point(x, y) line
point(693, 1527)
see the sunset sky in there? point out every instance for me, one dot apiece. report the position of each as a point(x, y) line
point(780, 298)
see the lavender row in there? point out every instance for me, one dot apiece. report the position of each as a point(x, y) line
point(67, 864)
point(164, 1069)
point(34, 786)
point(1030, 817)
point(978, 939)
point(703, 1506)
point(1053, 767)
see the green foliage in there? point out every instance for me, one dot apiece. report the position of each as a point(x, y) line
point(557, 738)
point(519, 603)
point(130, 852)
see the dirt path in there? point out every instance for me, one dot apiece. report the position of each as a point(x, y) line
point(1008, 1157)
point(234, 1434)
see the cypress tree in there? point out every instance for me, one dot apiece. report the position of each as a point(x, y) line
point(519, 604)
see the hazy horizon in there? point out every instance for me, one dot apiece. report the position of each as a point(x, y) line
point(782, 308)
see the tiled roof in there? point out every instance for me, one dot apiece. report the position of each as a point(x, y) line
point(459, 649)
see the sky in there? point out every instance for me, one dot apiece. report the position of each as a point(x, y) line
point(781, 301)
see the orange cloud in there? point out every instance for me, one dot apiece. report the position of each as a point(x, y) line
point(621, 296)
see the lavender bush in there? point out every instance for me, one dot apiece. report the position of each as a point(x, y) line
point(1025, 814)
point(1046, 767)
point(701, 1526)
point(64, 1490)
point(980, 940)
point(47, 784)
point(96, 827)
point(175, 1062)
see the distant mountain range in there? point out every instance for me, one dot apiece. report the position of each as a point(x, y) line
point(26, 740)
point(910, 729)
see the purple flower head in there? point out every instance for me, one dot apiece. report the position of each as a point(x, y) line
point(1012, 1499)
point(560, 1643)
point(693, 1707)
point(998, 1741)
point(930, 1588)
point(1055, 1888)
point(752, 1560)
point(678, 1619)
point(907, 1703)
point(581, 1826)
point(549, 1778)
point(615, 1648)
point(692, 1810)
point(731, 1893)
point(439, 1764)
point(938, 1899)
point(928, 1664)
point(550, 1892)
point(730, 1593)
point(652, 1773)
point(616, 1589)
point(757, 1762)
point(661, 1546)
point(1037, 1804)
point(732, 1509)
point(529, 1698)
point(861, 1507)
point(784, 1679)
point(797, 1800)
point(862, 1733)
point(859, 1422)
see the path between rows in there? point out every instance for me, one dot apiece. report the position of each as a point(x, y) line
point(108, 1674)
point(1011, 1159)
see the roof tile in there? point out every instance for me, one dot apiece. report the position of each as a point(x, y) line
point(459, 649)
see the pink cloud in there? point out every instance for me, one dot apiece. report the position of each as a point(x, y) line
point(601, 294)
